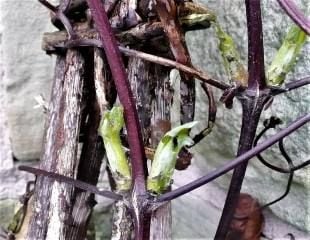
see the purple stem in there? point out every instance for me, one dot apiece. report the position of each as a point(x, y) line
point(297, 84)
point(125, 94)
point(290, 86)
point(296, 15)
point(236, 162)
point(252, 101)
point(256, 67)
point(48, 5)
point(74, 182)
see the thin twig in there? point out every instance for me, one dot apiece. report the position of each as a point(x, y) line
point(296, 15)
point(74, 182)
point(297, 84)
point(169, 63)
point(291, 175)
point(290, 86)
point(48, 5)
point(59, 14)
point(66, 22)
point(200, 75)
point(211, 114)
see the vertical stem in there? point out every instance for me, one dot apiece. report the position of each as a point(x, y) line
point(252, 101)
point(256, 67)
point(251, 114)
point(138, 75)
point(125, 95)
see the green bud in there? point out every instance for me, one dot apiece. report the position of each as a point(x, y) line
point(166, 153)
point(231, 56)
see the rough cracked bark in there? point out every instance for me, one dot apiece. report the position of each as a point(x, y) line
point(99, 97)
point(151, 85)
point(52, 200)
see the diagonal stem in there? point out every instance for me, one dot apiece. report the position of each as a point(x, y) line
point(74, 182)
point(137, 154)
point(125, 94)
point(203, 76)
point(236, 162)
point(295, 14)
point(294, 84)
point(297, 84)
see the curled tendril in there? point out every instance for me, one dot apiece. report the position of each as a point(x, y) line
point(272, 122)
point(211, 115)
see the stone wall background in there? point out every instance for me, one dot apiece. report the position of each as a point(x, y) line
point(25, 72)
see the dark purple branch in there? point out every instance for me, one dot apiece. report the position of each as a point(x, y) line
point(59, 14)
point(290, 86)
point(212, 104)
point(74, 182)
point(296, 15)
point(211, 114)
point(297, 84)
point(256, 67)
point(48, 5)
point(291, 175)
point(272, 123)
point(126, 97)
point(234, 163)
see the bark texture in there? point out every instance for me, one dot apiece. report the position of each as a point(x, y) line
point(151, 85)
point(51, 214)
point(91, 155)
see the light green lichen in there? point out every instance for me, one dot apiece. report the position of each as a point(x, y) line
point(285, 59)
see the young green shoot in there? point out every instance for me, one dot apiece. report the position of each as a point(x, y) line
point(109, 129)
point(166, 153)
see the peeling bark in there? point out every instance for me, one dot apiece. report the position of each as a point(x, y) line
point(91, 155)
point(161, 221)
point(151, 85)
point(52, 200)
